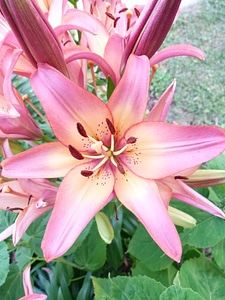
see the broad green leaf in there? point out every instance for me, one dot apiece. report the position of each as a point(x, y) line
point(23, 257)
point(110, 87)
point(35, 232)
point(144, 249)
point(207, 233)
point(12, 288)
point(127, 288)
point(176, 292)
point(4, 262)
point(91, 255)
point(203, 277)
point(165, 276)
point(218, 253)
point(6, 219)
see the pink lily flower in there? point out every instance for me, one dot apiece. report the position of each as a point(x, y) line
point(31, 198)
point(28, 289)
point(15, 119)
point(108, 150)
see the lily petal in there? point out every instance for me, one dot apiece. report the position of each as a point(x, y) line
point(78, 203)
point(160, 110)
point(177, 50)
point(71, 104)
point(186, 194)
point(129, 99)
point(143, 199)
point(165, 149)
point(50, 160)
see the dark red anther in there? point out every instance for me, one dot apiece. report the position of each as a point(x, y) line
point(131, 140)
point(115, 21)
point(110, 126)
point(110, 16)
point(121, 169)
point(86, 173)
point(123, 10)
point(75, 153)
point(181, 177)
point(81, 130)
point(14, 208)
point(137, 12)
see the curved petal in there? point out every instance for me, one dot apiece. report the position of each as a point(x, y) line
point(44, 161)
point(102, 63)
point(71, 104)
point(165, 149)
point(7, 232)
point(129, 99)
point(25, 218)
point(142, 197)
point(160, 110)
point(177, 50)
point(186, 194)
point(78, 200)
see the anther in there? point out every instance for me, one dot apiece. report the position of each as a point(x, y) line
point(137, 12)
point(181, 177)
point(110, 126)
point(14, 208)
point(123, 10)
point(81, 130)
point(131, 140)
point(75, 153)
point(86, 173)
point(29, 199)
point(110, 16)
point(121, 169)
point(115, 22)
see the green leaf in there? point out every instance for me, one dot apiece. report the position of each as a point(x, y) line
point(127, 288)
point(203, 277)
point(35, 232)
point(110, 87)
point(218, 253)
point(144, 249)
point(4, 262)
point(176, 292)
point(165, 276)
point(23, 257)
point(13, 288)
point(207, 233)
point(91, 255)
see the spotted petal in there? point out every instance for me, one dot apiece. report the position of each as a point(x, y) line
point(66, 104)
point(78, 200)
point(165, 149)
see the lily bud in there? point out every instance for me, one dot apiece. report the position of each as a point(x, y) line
point(34, 33)
point(206, 178)
point(104, 227)
point(180, 218)
point(151, 28)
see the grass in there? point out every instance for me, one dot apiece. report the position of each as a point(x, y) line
point(200, 92)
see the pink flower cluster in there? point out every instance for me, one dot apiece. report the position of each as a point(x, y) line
point(105, 144)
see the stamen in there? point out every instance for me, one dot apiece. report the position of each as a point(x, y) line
point(131, 140)
point(137, 12)
point(123, 10)
point(28, 203)
point(75, 153)
point(81, 130)
point(110, 16)
point(100, 164)
point(181, 177)
point(110, 126)
point(121, 169)
point(14, 208)
point(115, 22)
point(86, 173)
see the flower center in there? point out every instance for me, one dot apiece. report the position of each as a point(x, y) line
point(100, 151)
